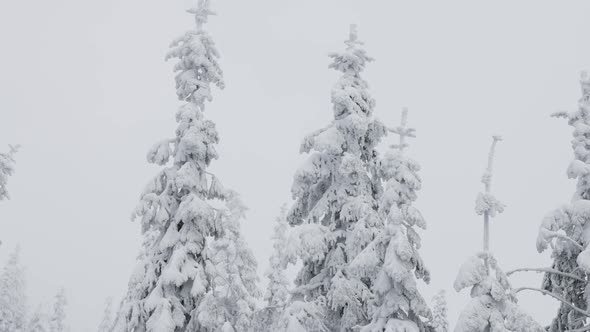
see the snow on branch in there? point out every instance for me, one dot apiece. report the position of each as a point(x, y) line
point(201, 13)
point(545, 270)
point(557, 297)
point(486, 203)
point(487, 175)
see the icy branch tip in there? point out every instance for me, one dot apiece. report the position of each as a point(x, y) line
point(353, 33)
point(403, 131)
point(487, 176)
point(404, 117)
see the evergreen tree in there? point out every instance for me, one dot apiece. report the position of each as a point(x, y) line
point(229, 303)
point(195, 273)
point(493, 306)
point(440, 321)
point(6, 169)
point(277, 292)
point(565, 230)
point(57, 322)
point(335, 210)
point(39, 321)
point(12, 295)
point(107, 318)
point(392, 260)
point(130, 316)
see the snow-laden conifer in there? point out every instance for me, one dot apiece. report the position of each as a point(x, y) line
point(335, 209)
point(566, 230)
point(129, 316)
point(440, 321)
point(6, 170)
point(229, 303)
point(277, 294)
point(106, 323)
point(57, 320)
point(13, 306)
point(392, 260)
point(493, 306)
point(39, 321)
point(195, 272)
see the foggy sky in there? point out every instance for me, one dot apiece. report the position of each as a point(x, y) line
point(85, 90)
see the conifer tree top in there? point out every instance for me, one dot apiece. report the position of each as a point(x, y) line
point(202, 13)
point(403, 131)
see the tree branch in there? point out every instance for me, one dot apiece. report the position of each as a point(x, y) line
point(555, 296)
point(551, 234)
point(581, 329)
point(546, 270)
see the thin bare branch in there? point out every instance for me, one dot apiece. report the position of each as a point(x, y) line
point(546, 270)
point(555, 296)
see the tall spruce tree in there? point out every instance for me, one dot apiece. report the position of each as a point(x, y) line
point(13, 306)
point(335, 211)
point(565, 230)
point(195, 272)
point(493, 306)
point(392, 260)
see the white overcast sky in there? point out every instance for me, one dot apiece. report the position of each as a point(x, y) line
point(85, 90)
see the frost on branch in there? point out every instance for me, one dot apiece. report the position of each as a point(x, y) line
point(566, 230)
point(301, 315)
point(160, 153)
point(472, 272)
point(195, 272)
point(487, 203)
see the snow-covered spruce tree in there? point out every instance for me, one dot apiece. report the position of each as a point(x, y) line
point(6, 169)
point(39, 321)
point(493, 306)
point(13, 306)
point(130, 316)
point(276, 297)
point(106, 323)
point(565, 230)
point(195, 273)
point(440, 321)
point(335, 209)
point(57, 321)
point(391, 260)
point(229, 303)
